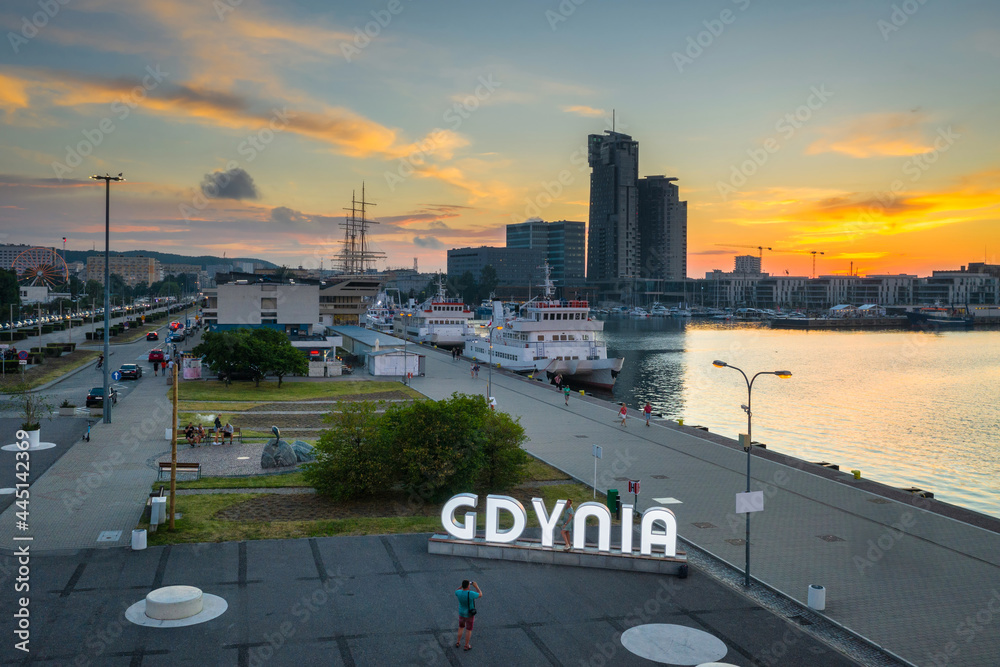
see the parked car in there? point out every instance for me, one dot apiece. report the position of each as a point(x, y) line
point(130, 371)
point(95, 397)
point(156, 355)
point(152, 335)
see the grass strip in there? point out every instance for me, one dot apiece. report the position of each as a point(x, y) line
point(55, 367)
point(268, 391)
point(273, 481)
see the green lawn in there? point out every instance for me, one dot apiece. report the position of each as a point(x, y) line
point(199, 525)
point(290, 391)
point(56, 367)
point(215, 406)
point(254, 482)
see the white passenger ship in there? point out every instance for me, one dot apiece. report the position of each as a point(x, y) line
point(441, 320)
point(557, 337)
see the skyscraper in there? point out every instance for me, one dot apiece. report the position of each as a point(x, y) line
point(613, 243)
point(662, 229)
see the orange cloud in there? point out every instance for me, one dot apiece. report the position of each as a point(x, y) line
point(875, 135)
point(585, 111)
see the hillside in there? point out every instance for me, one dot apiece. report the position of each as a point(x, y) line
point(167, 258)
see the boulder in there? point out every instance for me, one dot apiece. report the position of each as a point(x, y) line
point(304, 451)
point(277, 454)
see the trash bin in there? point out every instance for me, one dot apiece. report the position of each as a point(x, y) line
point(138, 539)
point(169, 434)
point(612, 499)
point(817, 597)
point(158, 511)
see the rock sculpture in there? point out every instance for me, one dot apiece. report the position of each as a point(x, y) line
point(304, 451)
point(277, 454)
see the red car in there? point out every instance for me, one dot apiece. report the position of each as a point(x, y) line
point(156, 355)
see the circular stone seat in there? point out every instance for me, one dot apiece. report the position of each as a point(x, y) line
point(172, 603)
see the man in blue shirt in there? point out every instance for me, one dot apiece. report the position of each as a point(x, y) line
point(466, 603)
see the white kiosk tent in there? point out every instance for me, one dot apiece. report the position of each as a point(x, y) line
point(395, 362)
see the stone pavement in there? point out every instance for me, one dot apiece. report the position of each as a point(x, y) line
point(101, 485)
point(922, 585)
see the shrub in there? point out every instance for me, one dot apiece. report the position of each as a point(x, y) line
point(430, 449)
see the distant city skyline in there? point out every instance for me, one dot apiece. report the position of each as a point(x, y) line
point(863, 130)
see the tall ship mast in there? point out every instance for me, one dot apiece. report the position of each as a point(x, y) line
point(357, 257)
point(557, 337)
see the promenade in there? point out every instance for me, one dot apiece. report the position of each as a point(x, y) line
point(920, 584)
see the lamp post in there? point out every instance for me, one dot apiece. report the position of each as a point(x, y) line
point(106, 409)
point(748, 446)
point(489, 382)
point(405, 340)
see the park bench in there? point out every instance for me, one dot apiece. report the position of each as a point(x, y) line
point(164, 466)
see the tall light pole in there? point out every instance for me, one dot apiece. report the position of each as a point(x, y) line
point(106, 410)
point(405, 339)
point(748, 446)
point(489, 383)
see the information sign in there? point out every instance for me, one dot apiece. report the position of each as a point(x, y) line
point(751, 501)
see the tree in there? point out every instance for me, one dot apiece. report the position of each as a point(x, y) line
point(351, 458)
point(468, 288)
point(430, 449)
point(94, 290)
point(277, 355)
point(10, 294)
point(224, 352)
point(488, 281)
point(76, 287)
point(140, 289)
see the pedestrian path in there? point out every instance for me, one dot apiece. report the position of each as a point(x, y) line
point(922, 585)
point(94, 494)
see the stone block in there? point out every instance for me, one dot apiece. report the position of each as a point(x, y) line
point(468, 550)
point(645, 565)
point(494, 553)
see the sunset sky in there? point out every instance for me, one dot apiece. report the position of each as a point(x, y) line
point(866, 130)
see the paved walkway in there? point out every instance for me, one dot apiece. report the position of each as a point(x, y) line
point(101, 485)
point(922, 585)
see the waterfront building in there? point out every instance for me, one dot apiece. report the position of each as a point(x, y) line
point(514, 266)
point(612, 244)
point(746, 264)
point(242, 302)
point(563, 243)
point(662, 229)
point(133, 269)
point(957, 288)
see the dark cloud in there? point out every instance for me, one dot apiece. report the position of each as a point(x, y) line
point(714, 252)
point(286, 215)
point(437, 224)
point(233, 184)
point(427, 242)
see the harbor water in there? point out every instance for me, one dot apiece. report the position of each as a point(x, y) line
point(908, 409)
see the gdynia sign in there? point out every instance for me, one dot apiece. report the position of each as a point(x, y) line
point(665, 537)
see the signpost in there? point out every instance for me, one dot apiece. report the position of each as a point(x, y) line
point(633, 487)
point(597, 454)
point(751, 501)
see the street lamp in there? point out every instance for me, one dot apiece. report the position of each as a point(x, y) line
point(106, 409)
point(747, 446)
point(489, 383)
point(405, 339)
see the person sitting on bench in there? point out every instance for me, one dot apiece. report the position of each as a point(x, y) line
point(227, 432)
point(201, 434)
point(189, 434)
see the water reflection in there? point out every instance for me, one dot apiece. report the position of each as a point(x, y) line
point(906, 408)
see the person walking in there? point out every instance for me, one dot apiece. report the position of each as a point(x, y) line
point(476, 369)
point(558, 380)
point(623, 413)
point(472, 371)
point(156, 368)
point(467, 611)
point(565, 391)
point(568, 512)
point(100, 362)
point(647, 411)
point(217, 433)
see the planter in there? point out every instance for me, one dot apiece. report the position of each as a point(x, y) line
point(33, 438)
point(67, 412)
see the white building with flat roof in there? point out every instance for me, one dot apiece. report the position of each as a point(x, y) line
point(286, 307)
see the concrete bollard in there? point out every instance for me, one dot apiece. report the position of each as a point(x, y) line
point(817, 597)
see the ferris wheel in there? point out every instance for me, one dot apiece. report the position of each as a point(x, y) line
point(40, 266)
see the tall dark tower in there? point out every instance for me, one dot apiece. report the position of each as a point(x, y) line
point(613, 241)
point(662, 229)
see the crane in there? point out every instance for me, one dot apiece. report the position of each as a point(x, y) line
point(814, 253)
point(760, 248)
